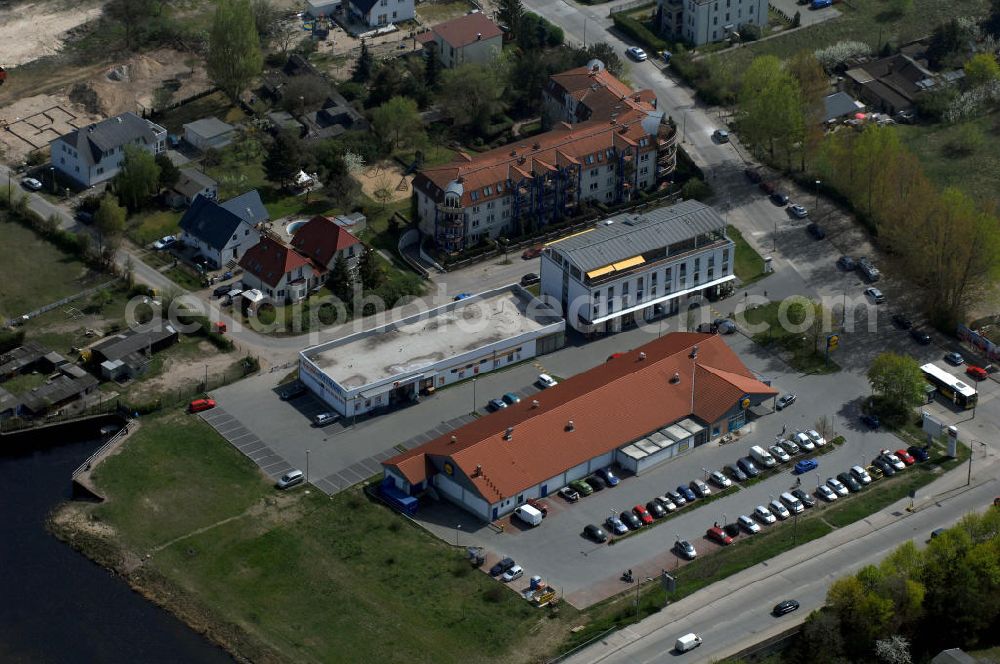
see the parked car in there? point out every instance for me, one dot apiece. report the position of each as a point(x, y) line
point(901, 321)
point(718, 536)
point(746, 464)
point(595, 533)
point(325, 419)
point(164, 242)
point(666, 503)
point(837, 486)
point(753, 175)
point(846, 263)
point(290, 479)
point(804, 442)
point(615, 525)
point(530, 279)
point(636, 53)
point(794, 505)
point(779, 453)
point(724, 326)
point(892, 459)
point(502, 566)
point(920, 454)
point(461, 296)
point(766, 187)
point(545, 381)
point(764, 515)
point(532, 252)
point(887, 468)
point(569, 494)
point(631, 520)
point(293, 391)
point(875, 295)
point(871, 420)
point(496, 404)
point(779, 198)
point(198, 405)
point(596, 483)
point(699, 488)
point(798, 211)
point(688, 494)
point(826, 493)
point(789, 446)
point(860, 475)
point(539, 505)
point(805, 465)
point(954, 359)
point(778, 509)
point(609, 477)
point(816, 231)
point(581, 487)
point(677, 497)
point(720, 480)
point(656, 509)
point(785, 401)
point(850, 482)
point(685, 549)
point(510, 398)
point(875, 472)
point(814, 436)
point(513, 574)
point(748, 524)
point(737, 472)
point(31, 183)
point(868, 271)
point(787, 606)
point(976, 372)
point(219, 291)
point(920, 337)
point(720, 136)
point(804, 496)
point(643, 514)
point(905, 457)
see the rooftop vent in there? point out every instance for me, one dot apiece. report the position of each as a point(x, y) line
point(642, 356)
point(534, 403)
point(454, 439)
point(676, 378)
point(479, 471)
point(509, 433)
point(479, 36)
point(513, 153)
point(570, 426)
point(536, 146)
point(694, 352)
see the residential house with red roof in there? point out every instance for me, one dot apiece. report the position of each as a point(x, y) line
point(322, 240)
point(638, 410)
point(278, 271)
point(591, 92)
point(472, 38)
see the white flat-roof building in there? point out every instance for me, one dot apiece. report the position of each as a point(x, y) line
point(394, 363)
point(705, 21)
point(633, 266)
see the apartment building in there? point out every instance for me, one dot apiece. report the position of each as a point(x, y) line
point(704, 21)
point(95, 153)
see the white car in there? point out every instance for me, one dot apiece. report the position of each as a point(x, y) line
point(826, 493)
point(31, 183)
point(778, 508)
point(804, 441)
point(861, 475)
point(764, 515)
point(779, 453)
point(799, 211)
point(720, 479)
point(816, 438)
point(164, 242)
point(837, 486)
point(893, 460)
point(789, 446)
point(875, 295)
point(666, 503)
point(545, 381)
point(636, 53)
point(748, 524)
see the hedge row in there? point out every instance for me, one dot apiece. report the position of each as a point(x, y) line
point(639, 32)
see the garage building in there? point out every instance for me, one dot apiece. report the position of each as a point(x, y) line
point(393, 364)
point(638, 410)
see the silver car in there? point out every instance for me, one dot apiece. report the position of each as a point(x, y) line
point(700, 488)
point(721, 480)
point(666, 503)
point(837, 486)
point(779, 509)
point(779, 453)
point(789, 446)
point(748, 524)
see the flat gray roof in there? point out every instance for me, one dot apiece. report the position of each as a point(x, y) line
point(626, 235)
point(420, 341)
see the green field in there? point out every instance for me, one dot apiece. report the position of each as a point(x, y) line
point(34, 272)
point(748, 265)
point(799, 346)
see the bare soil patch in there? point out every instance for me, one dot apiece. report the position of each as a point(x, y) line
point(35, 29)
point(183, 373)
point(385, 175)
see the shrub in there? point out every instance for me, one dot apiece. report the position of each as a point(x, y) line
point(696, 189)
point(832, 56)
point(10, 339)
point(751, 33)
point(638, 31)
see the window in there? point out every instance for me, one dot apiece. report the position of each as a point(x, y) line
point(624, 289)
point(600, 156)
point(593, 186)
point(725, 255)
point(475, 223)
point(594, 172)
point(644, 157)
point(590, 159)
point(711, 273)
point(727, 17)
point(715, 20)
point(643, 170)
point(714, 35)
point(638, 283)
point(611, 181)
point(607, 196)
point(474, 195)
point(697, 265)
point(475, 209)
point(487, 191)
point(385, 3)
point(489, 206)
point(499, 187)
point(394, 16)
point(611, 293)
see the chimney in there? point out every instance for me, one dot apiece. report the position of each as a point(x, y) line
point(534, 403)
point(479, 36)
point(694, 352)
point(454, 439)
point(509, 433)
point(570, 426)
point(642, 356)
point(676, 378)
point(479, 471)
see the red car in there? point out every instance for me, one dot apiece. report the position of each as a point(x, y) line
point(976, 372)
point(199, 405)
point(643, 514)
point(532, 252)
point(719, 536)
point(539, 505)
point(906, 457)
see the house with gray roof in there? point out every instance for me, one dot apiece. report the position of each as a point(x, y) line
point(190, 185)
point(222, 232)
point(94, 153)
point(635, 267)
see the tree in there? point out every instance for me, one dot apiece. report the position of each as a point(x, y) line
point(980, 69)
point(304, 92)
point(284, 158)
point(363, 67)
point(900, 7)
point(234, 55)
point(265, 19)
point(813, 85)
point(397, 122)
point(109, 220)
point(897, 379)
point(770, 104)
point(139, 178)
point(369, 271)
point(606, 54)
point(136, 17)
point(471, 95)
point(432, 66)
point(169, 174)
point(340, 282)
point(510, 13)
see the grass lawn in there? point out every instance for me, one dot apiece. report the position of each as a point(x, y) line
point(314, 578)
point(748, 264)
point(798, 345)
point(435, 154)
point(60, 331)
point(214, 104)
point(433, 13)
point(148, 226)
point(34, 272)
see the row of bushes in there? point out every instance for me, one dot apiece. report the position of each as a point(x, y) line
point(78, 246)
point(639, 32)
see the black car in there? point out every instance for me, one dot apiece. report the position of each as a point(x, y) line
point(685, 549)
point(919, 453)
point(222, 290)
point(871, 421)
point(596, 483)
point(781, 608)
point(846, 263)
point(732, 529)
point(848, 480)
point(753, 175)
point(656, 509)
point(806, 498)
point(631, 520)
point(901, 321)
point(496, 404)
point(779, 198)
point(294, 391)
point(920, 336)
point(502, 566)
point(736, 473)
point(887, 468)
point(816, 231)
point(529, 279)
point(85, 218)
point(595, 533)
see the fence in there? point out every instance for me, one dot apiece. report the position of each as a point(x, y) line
point(85, 466)
point(59, 303)
point(980, 343)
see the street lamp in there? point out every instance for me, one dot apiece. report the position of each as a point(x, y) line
point(585, 19)
point(307, 466)
point(458, 530)
point(775, 235)
point(817, 198)
point(474, 401)
point(52, 174)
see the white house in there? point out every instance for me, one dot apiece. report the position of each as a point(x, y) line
point(94, 153)
point(223, 232)
point(705, 21)
point(472, 38)
point(634, 267)
point(376, 13)
point(209, 133)
point(278, 271)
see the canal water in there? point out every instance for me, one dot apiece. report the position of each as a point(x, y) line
point(55, 604)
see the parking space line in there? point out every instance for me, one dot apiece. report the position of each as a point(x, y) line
point(373, 466)
point(344, 474)
point(270, 467)
point(360, 470)
point(269, 460)
point(382, 456)
point(240, 437)
point(252, 446)
point(263, 452)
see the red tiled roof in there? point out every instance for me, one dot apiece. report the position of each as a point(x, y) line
point(467, 29)
point(610, 405)
point(269, 260)
point(600, 92)
point(321, 238)
point(562, 146)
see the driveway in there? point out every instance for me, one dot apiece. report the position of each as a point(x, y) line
point(807, 16)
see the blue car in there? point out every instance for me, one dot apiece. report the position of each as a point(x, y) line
point(462, 296)
point(609, 477)
point(805, 465)
point(687, 493)
point(919, 453)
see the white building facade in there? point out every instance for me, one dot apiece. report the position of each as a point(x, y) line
point(704, 21)
point(378, 13)
point(95, 153)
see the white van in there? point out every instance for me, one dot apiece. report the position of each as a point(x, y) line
point(762, 456)
point(687, 642)
point(528, 514)
point(792, 503)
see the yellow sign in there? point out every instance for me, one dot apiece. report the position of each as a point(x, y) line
point(745, 403)
point(449, 469)
point(832, 342)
